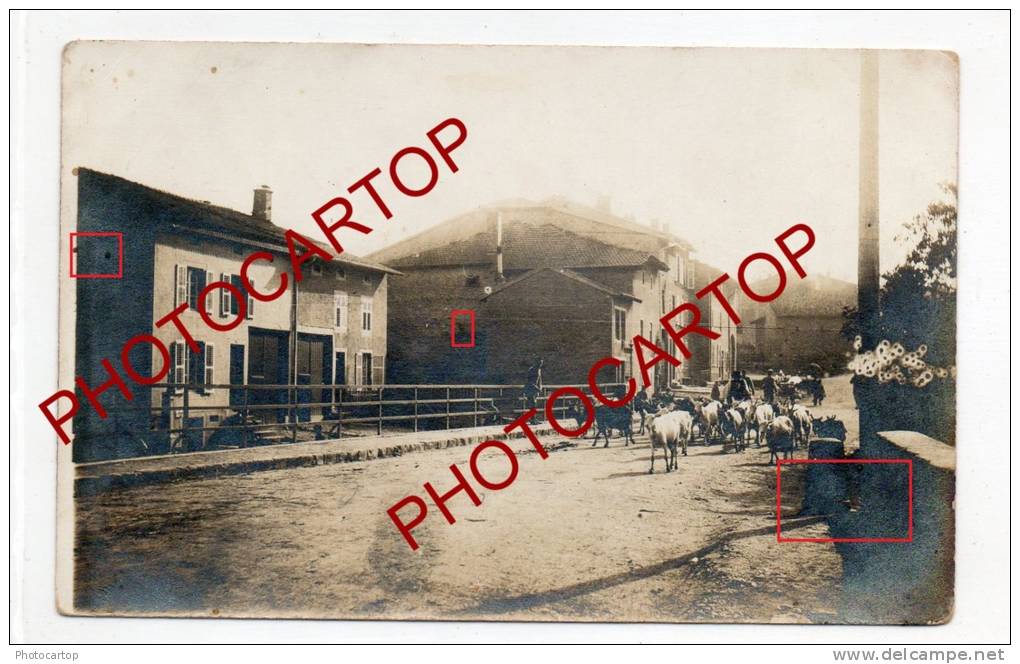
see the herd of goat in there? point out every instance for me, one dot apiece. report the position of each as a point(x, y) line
point(673, 422)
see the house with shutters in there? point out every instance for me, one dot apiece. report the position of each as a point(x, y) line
point(328, 330)
point(568, 283)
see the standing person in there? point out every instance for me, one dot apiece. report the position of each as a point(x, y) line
point(533, 384)
point(768, 387)
point(748, 384)
point(738, 389)
point(642, 406)
point(716, 391)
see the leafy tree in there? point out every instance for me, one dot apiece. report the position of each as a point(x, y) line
point(918, 306)
point(918, 297)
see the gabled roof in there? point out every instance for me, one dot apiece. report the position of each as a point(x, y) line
point(223, 223)
point(529, 246)
point(581, 220)
point(570, 274)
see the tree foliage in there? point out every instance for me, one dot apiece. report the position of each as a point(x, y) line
point(918, 297)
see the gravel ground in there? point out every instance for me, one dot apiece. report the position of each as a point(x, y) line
point(584, 535)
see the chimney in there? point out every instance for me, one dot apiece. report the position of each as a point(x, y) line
point(605, 204)
point(499, 246)
point(262, 206)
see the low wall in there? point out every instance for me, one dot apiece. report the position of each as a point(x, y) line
point(902, 582)
point(99, 476)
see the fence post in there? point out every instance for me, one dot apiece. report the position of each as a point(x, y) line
point(416, 410)
point(246, 433)
point(378, 428)
point(292, 394)
point(447, 408)
point(475, 409)
point(184, 420)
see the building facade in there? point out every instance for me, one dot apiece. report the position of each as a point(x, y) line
point(800, 327)
point(720, 355)
point(550, 280)
point(330, 329)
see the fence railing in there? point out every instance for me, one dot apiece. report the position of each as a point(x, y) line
point(193, 417)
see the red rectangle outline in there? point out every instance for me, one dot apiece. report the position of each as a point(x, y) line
point(846, 540)
point(453, 328)
point(120, 255)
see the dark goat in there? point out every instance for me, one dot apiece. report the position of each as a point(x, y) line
point(607, 419)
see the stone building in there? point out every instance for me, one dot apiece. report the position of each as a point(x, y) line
point(555, 280)
point(172, 247)
point(800, 327)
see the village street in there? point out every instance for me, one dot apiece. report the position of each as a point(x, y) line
point(586, 534)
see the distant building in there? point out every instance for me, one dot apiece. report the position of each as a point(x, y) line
point(563, 282)
point(800, 327)
point(172, 248)
point(717, 358)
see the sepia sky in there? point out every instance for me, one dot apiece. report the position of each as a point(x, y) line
point(729, 146)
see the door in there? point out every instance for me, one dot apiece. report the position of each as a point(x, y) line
point(237, 374)
point(313, 368)
point(267, 365)
point(366, 368)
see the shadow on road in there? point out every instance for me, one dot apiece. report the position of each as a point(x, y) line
point(528, 601)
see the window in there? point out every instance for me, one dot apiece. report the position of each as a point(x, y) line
point(366, 315)
point(316, 269)
point(196, 282)
point(690, 274)
point(236, 282)
point(340, 310)
point(680, 271)
point(366, 368)
point(367, 279)
point(196, 364)
point(228, 302)
point(341, 274)
point(641, 329)
point(619, 323)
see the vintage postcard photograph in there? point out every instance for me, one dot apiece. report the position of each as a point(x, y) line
point(507, 333)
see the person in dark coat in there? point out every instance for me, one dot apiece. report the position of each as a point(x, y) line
point(738, 389)
point(642, 405)
point(533, 384)
point(768, 388)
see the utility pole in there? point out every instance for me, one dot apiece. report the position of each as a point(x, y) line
point(867, 253)
point(869, 414)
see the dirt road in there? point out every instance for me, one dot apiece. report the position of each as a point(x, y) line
point(586, 534)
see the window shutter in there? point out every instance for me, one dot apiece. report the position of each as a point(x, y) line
point(172, 374)
point(209, 278)
point(224, 297)
point(180, 285)
point(250, 313)
point(340, 307)
point(180, 363)
point(210, 364)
